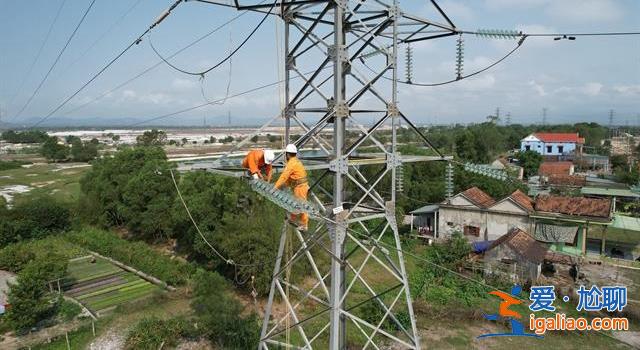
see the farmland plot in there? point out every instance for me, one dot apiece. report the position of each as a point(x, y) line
point(100, 285)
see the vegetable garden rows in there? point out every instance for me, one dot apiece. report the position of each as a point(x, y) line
point(99, 285)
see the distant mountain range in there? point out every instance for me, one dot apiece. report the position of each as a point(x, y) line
point(111, 122)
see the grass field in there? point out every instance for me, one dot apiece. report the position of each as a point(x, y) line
point(100, 285)
point(59, 180)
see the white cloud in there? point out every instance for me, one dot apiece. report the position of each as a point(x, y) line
point(129, 94)
point(456, 10)
point(500, 4)
point(183, 84)
point(591, 89)
point(538, 88)
point(586, 11)
point(627, 90)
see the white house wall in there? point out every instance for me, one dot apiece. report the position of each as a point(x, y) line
point(461, 201)
point(492, 225)
point(508, 206)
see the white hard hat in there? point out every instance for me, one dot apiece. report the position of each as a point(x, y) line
point(291, 148)
point(268, 156)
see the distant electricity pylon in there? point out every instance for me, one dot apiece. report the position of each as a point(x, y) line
point(330, 279)
point(544, 116)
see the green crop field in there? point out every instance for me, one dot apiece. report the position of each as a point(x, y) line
point(99, 285)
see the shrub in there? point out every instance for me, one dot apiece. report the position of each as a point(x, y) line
point(220, 315)
point(68, 310)
point(136, 254)
point(152, 333)
point(11, 164)
point(30, 303)
point(33, 218)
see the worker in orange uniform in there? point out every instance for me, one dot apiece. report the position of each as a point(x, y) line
point(257, 161)
point(295, 176)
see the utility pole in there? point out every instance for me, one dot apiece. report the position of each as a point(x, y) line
point(544, 116)
point(350, 237)
point(229, 118)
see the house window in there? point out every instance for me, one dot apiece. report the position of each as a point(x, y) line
point(560, 149)
point(472, 231)
point(549, 149)
point(527, 148)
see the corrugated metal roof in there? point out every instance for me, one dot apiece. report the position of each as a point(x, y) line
point(427, 209)
point(624, 222)
point(610, 192)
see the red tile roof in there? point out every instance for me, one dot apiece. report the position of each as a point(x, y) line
point(559, 137)
point(522, 199)
point(581, 206)
point(523, 244)
point(478, 197)
point(555, 168)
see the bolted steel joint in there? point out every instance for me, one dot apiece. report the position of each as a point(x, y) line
point(288, 16)
point(394, 160)
point(341, 110)
point(340, 166)
point(393, 12)
point(291, 62)
point(338, 53)
point(393, 110)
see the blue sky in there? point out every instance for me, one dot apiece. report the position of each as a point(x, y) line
point(576, 80)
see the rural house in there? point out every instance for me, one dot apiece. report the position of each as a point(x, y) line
point(553, 144)
point(480, 217)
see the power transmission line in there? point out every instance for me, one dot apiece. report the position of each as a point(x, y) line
point(258, 88)
point(228, 57)
point(35, 60)
point(161, 18)
point(126, 82)
point(57, 59)
point(457, 78)
point(104, 34)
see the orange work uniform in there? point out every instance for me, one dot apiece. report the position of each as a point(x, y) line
point(295, 176)
point(254, 162)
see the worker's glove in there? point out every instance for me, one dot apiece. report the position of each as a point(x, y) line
point(255, 176)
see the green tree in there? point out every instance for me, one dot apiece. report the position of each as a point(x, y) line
point(28, 298)
point(29, 136)
point(83, 151)
point(220, 315)
point(530, 161)
point(239, 223)
point(35, 217)
point(152, 137)
point(132, 189)
point(53, 151)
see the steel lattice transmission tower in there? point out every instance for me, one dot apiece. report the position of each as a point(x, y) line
point(337, 285)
